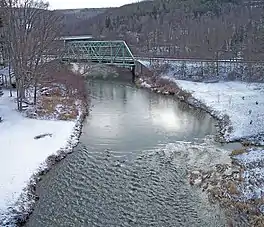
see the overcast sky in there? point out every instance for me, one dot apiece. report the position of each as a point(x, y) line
point(73, 4)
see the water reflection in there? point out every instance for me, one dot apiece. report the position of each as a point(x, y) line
point(125, 108)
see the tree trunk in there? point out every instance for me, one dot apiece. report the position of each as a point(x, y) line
point(19, 100)
point(10, 80)
point(20, 93)
point(35, 92)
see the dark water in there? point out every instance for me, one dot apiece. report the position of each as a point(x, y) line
point(130, 168)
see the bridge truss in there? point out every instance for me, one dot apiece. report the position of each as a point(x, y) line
point(107, 52)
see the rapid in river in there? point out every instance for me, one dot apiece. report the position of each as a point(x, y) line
point(131, 165)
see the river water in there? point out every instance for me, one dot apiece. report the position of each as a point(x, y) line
point(131, 166)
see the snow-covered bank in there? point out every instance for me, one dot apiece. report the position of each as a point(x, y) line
point(23, 157)
point(252, 188)
point(238, 105)
point(241, 102)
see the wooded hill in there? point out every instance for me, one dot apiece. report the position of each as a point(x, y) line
point(212, 29)
point(73, 18)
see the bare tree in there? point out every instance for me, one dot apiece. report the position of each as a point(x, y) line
point(31, 32)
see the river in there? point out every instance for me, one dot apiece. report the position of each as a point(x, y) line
point(131, 165)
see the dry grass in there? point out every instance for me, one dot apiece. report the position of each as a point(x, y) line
point(257, 221)
point(164, 85)
point(238, 151)
point(227, 193)
point(232, 188)
point(59, 91)
point(59, 107)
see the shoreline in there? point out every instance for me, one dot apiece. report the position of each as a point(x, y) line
point(204, 194)
point(30, 196)
point(225, 182)
point(184, 96)
point(224, 124)
point(60, 104)
point(19, 215)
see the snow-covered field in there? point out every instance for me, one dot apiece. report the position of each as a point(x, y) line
point(21, 154)
point(242, 102)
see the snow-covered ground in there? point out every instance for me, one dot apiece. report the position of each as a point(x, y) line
point(242, 102)
point(253, 185)
point(21, 154)
point(5, 72)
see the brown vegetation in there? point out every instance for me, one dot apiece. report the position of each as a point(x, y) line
point(238, 151)
point(232, 188)
point(162, 85)
point(62, 94)
point(224, 187)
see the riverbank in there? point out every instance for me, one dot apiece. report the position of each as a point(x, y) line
point(239, 110)
point(33, 141)
point(131, 165)
point(237, 106)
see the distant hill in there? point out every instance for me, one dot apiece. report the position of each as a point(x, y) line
point(215, 29)
point(73, 18)
point(82, 13)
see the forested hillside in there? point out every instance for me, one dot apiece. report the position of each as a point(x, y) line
point(72, 18)
point(214, 29)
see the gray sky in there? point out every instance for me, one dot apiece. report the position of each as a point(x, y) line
point(72, 4)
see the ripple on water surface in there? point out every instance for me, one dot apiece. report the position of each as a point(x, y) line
point(129, 169)
point(97, 189)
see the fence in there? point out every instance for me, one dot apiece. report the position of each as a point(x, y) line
point(200, 69)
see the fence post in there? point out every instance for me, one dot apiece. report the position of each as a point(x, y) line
point(184, 68)
point(202, 69)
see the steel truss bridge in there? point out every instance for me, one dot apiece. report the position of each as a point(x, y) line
point(107, 52)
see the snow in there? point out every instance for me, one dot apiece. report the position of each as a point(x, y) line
point(4, 71)
point(253, 184)
point(238, 101)
point(242, 102)
point(252, 158)
point(184, 69)
point(146, 85)
point(21, 154)
point(235, 99)
point(145, 63)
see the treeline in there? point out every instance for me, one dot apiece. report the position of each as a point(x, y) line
point(212, 29)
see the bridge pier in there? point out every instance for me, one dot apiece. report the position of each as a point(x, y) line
point(133, 73)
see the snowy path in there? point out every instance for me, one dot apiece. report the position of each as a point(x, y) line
point(242, 102)
point(22, 155)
